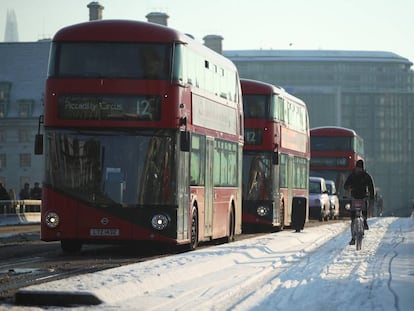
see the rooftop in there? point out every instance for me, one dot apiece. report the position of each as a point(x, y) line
point(316, 55)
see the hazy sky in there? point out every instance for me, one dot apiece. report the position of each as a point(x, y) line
point(374, 25)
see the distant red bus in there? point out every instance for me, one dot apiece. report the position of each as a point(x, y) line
point(275, 155)
point(143, 138)
point(334, 152)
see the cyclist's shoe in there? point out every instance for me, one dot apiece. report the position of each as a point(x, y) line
point(352, 242)
point(366, 225)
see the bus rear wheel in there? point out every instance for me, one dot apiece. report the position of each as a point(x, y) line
point(232, 227)
point(194, 230)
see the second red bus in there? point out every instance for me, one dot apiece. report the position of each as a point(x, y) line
point(275, 155)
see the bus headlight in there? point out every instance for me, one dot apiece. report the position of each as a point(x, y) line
point(52, 220)
point(160, 221)
point(262, 210)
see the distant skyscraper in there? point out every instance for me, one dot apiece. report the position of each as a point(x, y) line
point(11, 34)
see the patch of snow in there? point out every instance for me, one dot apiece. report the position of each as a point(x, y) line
point(315, 269)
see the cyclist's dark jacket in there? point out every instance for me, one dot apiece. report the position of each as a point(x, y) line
point(358, 183)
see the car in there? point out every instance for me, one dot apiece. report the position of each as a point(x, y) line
point(319, 204)
point(333, 198)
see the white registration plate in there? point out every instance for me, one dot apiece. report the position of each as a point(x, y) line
point(104, 232)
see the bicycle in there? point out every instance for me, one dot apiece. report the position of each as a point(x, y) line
point(357, 224)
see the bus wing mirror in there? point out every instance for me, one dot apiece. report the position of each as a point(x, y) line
point(38, 147)
point(185, 141)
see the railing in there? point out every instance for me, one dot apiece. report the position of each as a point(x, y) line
point(18, 212)
point(20, 206)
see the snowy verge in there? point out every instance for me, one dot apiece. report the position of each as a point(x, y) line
point(19, 219)
point(242, 265)
point(310, 271)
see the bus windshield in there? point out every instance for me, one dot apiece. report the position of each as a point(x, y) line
point(331, 143)
point(110, 60)
point(110, 169)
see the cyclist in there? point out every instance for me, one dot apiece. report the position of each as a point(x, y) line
point(361, 185)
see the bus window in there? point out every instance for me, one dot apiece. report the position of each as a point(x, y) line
point(254, 106)
point(153, 61)
point(110, 60)
point(197, 161)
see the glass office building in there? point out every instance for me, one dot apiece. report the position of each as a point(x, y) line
point(371, 92)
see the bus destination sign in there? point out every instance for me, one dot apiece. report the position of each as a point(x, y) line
point(109, 107)
point(253, 136)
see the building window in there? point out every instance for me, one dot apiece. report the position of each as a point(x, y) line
point(2, 136)
point(5, 91)
point(24, 136)
point(3, 162)
point(25, 108)
point(25, 160)
point(3, 110)
point(4, 97)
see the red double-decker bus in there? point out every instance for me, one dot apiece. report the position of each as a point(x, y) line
point(334, 152)
point(143, 137)
point(275, 155)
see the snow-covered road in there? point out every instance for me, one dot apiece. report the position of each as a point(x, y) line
point(312, 270)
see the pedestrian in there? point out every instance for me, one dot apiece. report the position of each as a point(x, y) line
point(36, 192)
point(4, 195)
point(24, 193)
point(12, 194)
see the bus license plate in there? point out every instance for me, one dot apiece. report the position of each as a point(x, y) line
point(104, 232)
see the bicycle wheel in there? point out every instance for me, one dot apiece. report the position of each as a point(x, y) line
point(358, 242)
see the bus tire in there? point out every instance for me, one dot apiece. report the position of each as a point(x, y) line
point(194, 229)
point(232, 226)
point(70, 246)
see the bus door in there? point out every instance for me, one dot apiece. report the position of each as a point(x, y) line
point(209, 188)
point(288, 208)
point(183, 181)
point(276, 193)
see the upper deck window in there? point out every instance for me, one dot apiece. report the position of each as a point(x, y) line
point(255, 106)
point(331, 143)
point(110, 60)
point(206, 72)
